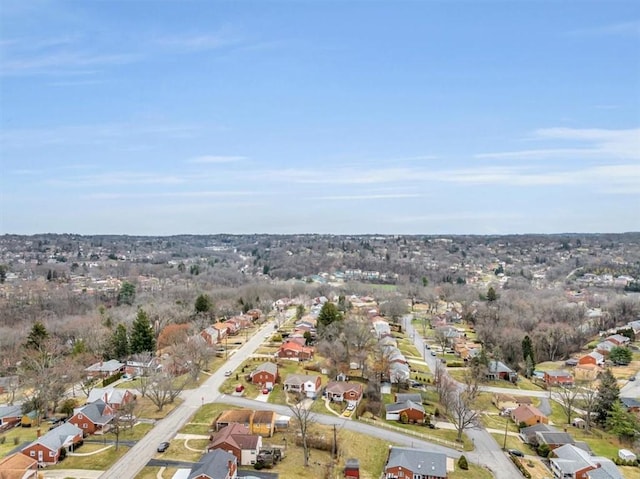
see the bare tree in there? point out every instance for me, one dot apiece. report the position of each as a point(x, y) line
point(440, 336)
point(304, 420)
point(588, 400)
point(163, 388)
point(567, 397)
point(461, 412)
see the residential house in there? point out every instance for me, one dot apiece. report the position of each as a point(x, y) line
point(302, 383)
point(46, 449)
point(559, 377)
point(594, 357)
point(404, 462)
point(262, 423)
point(293, 350)
point(605, 347)
point(211, 335)
point(509, 402)
point(586, 372)
point(499, 370)
point(114, 397)
point(265, 375)
point(234, 416)
point(105, 369)
point(631, 404)
point(571, 462)
point(18, 466)
point(222, 329)
point(528, 434)
point(351, 469)
point(237, 439)
point(93, 418)
point(233, 328)
point(141, 368)
point(217, 464)
point(255, 314)
point(402, 397)
point(528, 415)
point(399, 372)
point(340, 391)
point(554, 439)
point(381, 327)
point(10, 415)
point(414, 412)
point(618, 340)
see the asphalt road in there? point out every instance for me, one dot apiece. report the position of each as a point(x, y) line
point(132, 463)
point(487, 451)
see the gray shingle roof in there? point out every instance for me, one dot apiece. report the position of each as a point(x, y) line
point(214, 464)
point(401, 406)
point(95, 412)
point(59, 436)
point(431, 464)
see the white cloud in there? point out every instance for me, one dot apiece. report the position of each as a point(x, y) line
point(216, 159)
point(629, 28)
point(389, 196)
point(601, 144)
point(177, 194)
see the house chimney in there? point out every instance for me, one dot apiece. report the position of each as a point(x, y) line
point(38, 432)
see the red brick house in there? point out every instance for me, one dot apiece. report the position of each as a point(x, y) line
point(594, 358)
point(343, 391)
point(558, 378)
point(414, 412)
point(211, 335)
point(94, 417)
point(265, 375)
point(352, 469)
point(236, 439)
point(114, 397)
point(408, 463)
point(292, 350)
point(46, 449)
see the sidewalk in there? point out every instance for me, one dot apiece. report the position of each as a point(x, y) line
point(74, 473)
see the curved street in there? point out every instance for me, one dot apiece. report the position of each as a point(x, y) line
point(487, 452)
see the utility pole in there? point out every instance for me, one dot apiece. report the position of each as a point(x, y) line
point(335, 442)
point(506, 425)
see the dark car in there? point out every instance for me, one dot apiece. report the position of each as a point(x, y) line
point(163, 446)
point(632, 378)
point(515, 452)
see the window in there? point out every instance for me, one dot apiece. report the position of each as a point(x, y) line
point(32, 453)
point(84, 425)
point(52, 454)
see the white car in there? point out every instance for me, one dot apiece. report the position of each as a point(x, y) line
point(351, 407)
point(228, 373)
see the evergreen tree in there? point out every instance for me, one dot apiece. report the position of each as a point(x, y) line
point(127, 293)
point(142, 338)
point(491, 294)
point(3, 273)
point(530, 367)
point(120, 342)
point(328, 314)
point(299, 312)
point(462, 463)
point(622, 423)
point(527, 349)
point(620, 355)
point(608, 394)
point(203, 304)
point(37, 336)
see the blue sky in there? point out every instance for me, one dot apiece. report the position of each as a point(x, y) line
point(431, 117)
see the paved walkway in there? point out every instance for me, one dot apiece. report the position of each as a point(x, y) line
point(89, 453)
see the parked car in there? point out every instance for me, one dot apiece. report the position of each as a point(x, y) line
point(632, 378)
point(228, 373)
point(163, 446)
point(351, 407)
point(239, 388)
point(433, 353)
point(515, 452)
point(265, 391)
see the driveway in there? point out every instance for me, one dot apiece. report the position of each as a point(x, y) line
point(74, 473)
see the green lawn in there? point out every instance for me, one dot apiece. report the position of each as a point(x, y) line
point(152, 472)
point(97, 462)
point(135, 433)
point(474, 472)
point(512, 443)
point(179, 452)
point(18, 435)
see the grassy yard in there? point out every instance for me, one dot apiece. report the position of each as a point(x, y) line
point(135, 433)
point(512, 443)
point(100, 461)
point(179, 452)
point(493, 421)
point(146, 409)
point(18, 435)
point(474, 472)
point(152, 473)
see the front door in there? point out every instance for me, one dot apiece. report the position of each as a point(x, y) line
point(40, 457)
